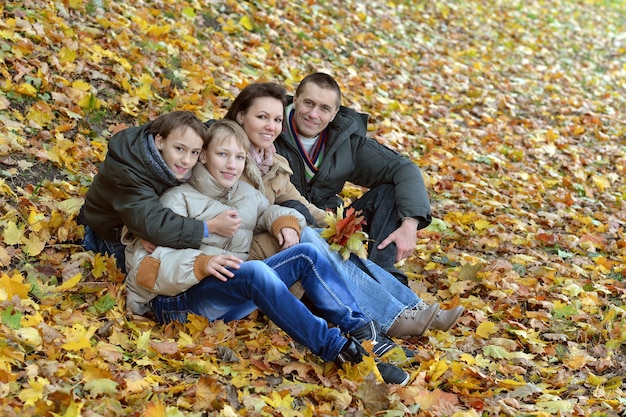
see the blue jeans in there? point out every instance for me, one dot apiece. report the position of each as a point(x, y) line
point(94, 243)
point(265, 284)
point(379, 294)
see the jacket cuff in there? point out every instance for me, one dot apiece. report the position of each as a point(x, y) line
point(200, 267)
point(147, 272)
point(285, 221)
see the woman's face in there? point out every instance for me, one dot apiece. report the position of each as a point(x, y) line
point(262, 122)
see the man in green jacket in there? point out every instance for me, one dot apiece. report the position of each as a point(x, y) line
point(135, 172)
point(326, 146)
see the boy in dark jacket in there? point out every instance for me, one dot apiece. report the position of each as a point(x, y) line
point(133, 175)
point(326, 146)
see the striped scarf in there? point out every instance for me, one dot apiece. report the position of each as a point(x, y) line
point(312, 160)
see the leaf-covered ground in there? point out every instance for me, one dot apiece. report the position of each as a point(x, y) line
point(514, 109)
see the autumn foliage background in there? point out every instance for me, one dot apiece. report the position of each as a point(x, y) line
point(513, 109)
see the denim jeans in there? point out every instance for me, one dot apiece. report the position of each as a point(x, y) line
point(94, 243)
point(379, 294)
point(265, 284)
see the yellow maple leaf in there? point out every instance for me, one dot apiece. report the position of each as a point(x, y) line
point(26, 89)
point(99, 264)
point(155, 409)
point(35, 393)
point(81, 85)
point(79, 337)
point(12, 233)
point(6, 190)
point(33, 245)
point(70, 283)
point(11, 286)
point(67, 55)
point(486, 329)
point(246, 23)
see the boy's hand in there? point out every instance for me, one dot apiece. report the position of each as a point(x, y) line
point(287, 237)
point(148, 246)
point(224, 224)
point(218, 264)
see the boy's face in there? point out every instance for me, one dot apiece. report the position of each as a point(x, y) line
point(225, 160)
point(314, 109)
point(180, 150)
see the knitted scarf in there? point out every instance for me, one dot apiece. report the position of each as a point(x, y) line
point(312, 160)
point(155, 159)
point(263, 159)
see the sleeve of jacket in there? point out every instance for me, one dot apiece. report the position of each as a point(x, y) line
point(391, 167)
point(177, 270)
point(271, 218)
point(292, 193)
point(144, 215)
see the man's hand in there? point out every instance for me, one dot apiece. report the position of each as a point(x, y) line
point(224, 224)
point(218, 264)
point(148, 246)
point(405, 238)
point(287, 237)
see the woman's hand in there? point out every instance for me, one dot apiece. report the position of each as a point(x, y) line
point(218, 264)
point(288, 237)
point(224, 224)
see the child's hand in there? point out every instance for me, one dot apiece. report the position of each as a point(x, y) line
point(218, 264)
point(148, 246)
point(225, 224)
point(287, 237)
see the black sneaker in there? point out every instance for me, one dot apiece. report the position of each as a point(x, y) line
point(353, 352)
point(372, 331)
point(392, 374)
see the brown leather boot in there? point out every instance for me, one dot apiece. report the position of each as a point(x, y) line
point(445, 319)
point(414, 322)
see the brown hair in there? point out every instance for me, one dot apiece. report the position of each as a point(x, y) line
point(322, 80)
point(246, 97)
point(225, 129)
point(166, 123)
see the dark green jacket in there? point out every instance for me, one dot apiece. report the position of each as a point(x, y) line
point(351, 156)
point(126, 191)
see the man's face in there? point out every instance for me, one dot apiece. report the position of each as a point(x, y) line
point(315, 108)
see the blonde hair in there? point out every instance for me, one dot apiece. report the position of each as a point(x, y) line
point(224, 129)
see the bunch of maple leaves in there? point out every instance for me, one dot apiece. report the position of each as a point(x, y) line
point(344, 232)
point(513, 110)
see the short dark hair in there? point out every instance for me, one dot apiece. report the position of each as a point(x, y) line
point(322, 80)
point(246, 97)
point(166, 123)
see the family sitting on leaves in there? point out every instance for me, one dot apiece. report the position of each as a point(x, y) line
point(223, 217)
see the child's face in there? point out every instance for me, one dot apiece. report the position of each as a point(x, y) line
point(225, 160)
point(180, 150)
